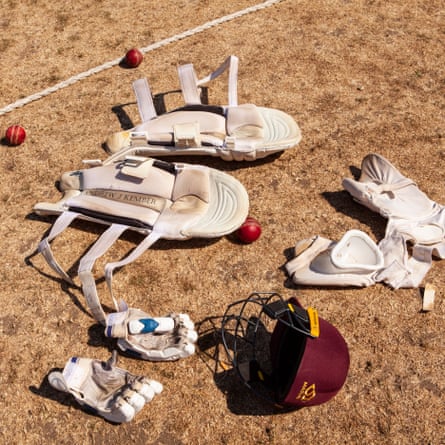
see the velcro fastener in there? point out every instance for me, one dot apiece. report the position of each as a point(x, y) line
point(138, 138)
point(241, 144)
point(192, 182)
point(187, 134)
point(245, 121)
point(137, 166)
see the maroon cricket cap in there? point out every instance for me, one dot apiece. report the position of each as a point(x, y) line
point(308, 370)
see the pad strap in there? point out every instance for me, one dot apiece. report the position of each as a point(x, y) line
point(190, 83)
point(230, 64)
point(144, 99)
point(402, 270)
point(62, 222)
point(146, 243)
point(103, 243)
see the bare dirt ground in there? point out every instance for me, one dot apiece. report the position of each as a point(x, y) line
point(358, 77)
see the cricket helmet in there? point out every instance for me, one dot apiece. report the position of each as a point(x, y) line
point(283, 352)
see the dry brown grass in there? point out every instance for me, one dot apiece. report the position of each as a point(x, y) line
point(359, 77)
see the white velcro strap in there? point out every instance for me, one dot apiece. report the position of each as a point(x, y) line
point(137, 166)
point(146, 243)
point(144, 99)
point(138, 138)
point(234, 143)
point(62, 222)
point(103, 243)
point(189, 84)
point(245, 121)
point(402, 271)
point(90, 292)
point(395, 274)
point(187, 135)
point(230, 64)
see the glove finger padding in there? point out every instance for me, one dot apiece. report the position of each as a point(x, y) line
point(113, 393)
point(166, 338)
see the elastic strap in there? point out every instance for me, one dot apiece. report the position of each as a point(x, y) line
point(190, 83)
point(103, 243)
point(61, 223)
point(146, 243)
point(230, 64)
point(402, 270)
point(144, 99)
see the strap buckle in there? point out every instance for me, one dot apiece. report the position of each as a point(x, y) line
point(187, 135)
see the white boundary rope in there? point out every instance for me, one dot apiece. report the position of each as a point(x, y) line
point(152, 47)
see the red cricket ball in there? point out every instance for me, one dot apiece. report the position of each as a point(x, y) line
point(249, 231)
point(133, 58)
point(15, 135)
